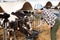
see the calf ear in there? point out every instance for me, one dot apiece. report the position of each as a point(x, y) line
point(32, 13)
point(12, 13)
point(25, 11)
point(6, 15)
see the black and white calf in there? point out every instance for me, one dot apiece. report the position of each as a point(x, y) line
point(4, 16)
point(24, 21)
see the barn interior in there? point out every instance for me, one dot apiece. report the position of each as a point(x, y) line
point(10, 28)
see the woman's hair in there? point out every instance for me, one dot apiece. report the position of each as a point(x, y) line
point(41, 9)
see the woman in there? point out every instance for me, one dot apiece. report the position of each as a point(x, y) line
point(52, 21)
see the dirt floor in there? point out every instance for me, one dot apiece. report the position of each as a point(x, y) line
point(45, 32)
point(43, 35)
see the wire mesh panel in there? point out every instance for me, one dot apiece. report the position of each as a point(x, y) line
point(27, 21)
point(36, 19)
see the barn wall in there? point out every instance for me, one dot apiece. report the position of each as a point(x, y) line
point(1, 10)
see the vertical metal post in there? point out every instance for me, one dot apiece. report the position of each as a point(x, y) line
point(5, 32)
point(14, 36)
